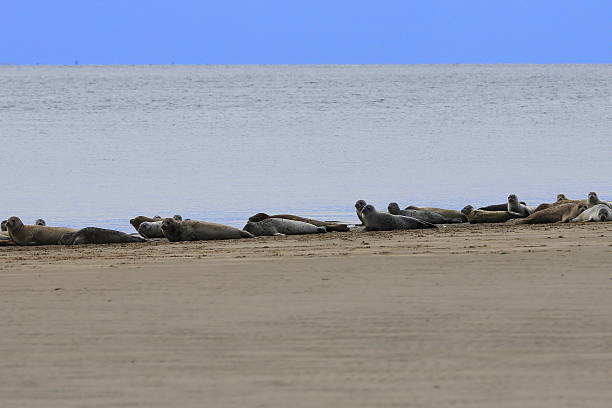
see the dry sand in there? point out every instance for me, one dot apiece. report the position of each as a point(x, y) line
point(486, 316)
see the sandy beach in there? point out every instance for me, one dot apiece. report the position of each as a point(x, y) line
point(480, 315)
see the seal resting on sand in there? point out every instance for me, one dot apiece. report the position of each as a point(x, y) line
point(151, 229)
point(376, 221)
point(557, 213)
point(514, 207)
point(358, 207)
point(597, 213)
point(34, 234)
point(93, 235)
point(423, 215)
point(282, 226)
point(483, 216)
point(330, 226)
point(593, 200)
point(191, 230)
point(136, 221)
point(441, 211)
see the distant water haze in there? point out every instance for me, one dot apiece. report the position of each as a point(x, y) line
point(97, 145)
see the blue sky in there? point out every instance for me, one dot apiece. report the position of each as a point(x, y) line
point(272, 32)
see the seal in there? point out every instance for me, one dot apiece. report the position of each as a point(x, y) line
point(281, 226)
point(330, 226)
point(136, 221)
point(34, 234)
point(358, 207)
point(151, 229)
point(483, 216)
point(497, 207)
point(441, 211)
point(558, 213)
point(593, 200)
point(376, 221)
point(3, 225)
point(93, 235)
point(177, 217)
point(518, 209)
point(597, 213)
point(423, 215)
point(561, 197)
point(40, 222)
point(191, 230)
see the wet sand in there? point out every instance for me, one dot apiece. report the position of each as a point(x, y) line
point(485, 315)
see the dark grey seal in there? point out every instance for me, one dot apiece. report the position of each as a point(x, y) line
point(358, 207)
point(40, 222)
point(93, 235)
point(3, 225)
point(282, 226)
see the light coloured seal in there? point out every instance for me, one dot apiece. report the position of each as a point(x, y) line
point(475, 216)
point(423, 215)
point(136, 221)
point(151, 229)
point(177, 217)
point(558, 213)
point(441, 211)
point(358, 208)
point(514, 207)
point(40, 222)
point(93, 235)
point(376, 221)
point(281, 226)
point(34, 234)
point(330, 226)
point(3, 225)
point(597, 213)
point(191, 230)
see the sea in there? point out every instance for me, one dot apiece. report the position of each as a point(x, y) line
point(97, 145)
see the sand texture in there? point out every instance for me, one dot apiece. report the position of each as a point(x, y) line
point(468, 316)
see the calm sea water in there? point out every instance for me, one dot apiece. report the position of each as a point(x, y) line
point(97, 145)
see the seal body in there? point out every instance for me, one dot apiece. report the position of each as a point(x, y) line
point(375, 221)
point(441, 211)
point(93, 235)
point(281, 226)
point(358, 207)
point(516, 208)
point(151, 229)
point(597, 213)
point(330, 226)
point(191, 230)
point(593, 200)
point(136, 221)
point(483, 216)
point(423, 215)
point(34, 234)
point(557, 213)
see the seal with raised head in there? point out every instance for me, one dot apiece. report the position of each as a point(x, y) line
point(281, 226)
point(34, 234)
point(177, 217)
point(441, 211)
point(358, 207)
point(151, 229)
point(593, 200)
point(561, 197)
point(191, 230)
point(557, 213)
point(376, 221)
point(93, 235)
point(40, 222)
point(423, 215)
point(3, 225)
point(597, 213)
point(514, 207)
point(475, 216)
point(329, 225)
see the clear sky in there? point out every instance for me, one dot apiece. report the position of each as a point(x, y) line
point(313, 31)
